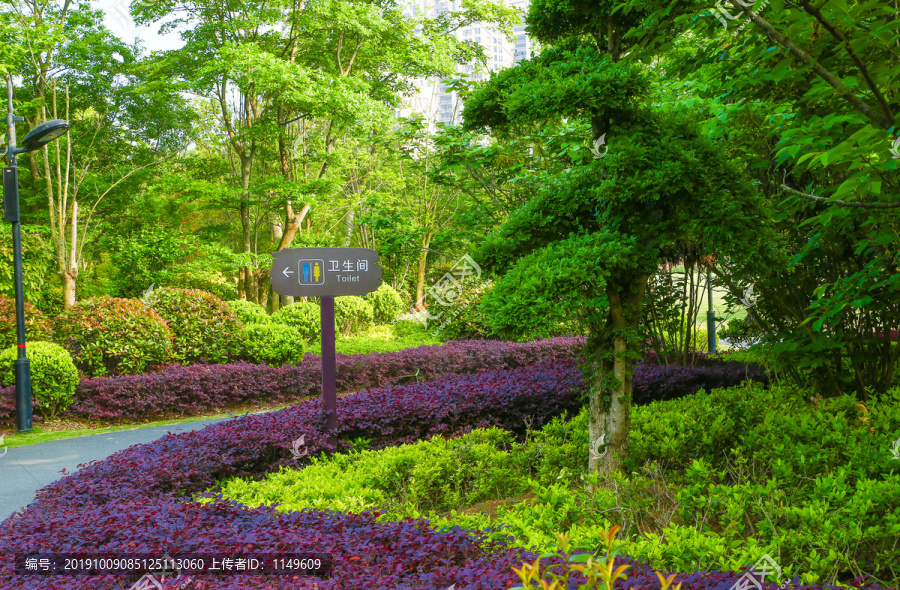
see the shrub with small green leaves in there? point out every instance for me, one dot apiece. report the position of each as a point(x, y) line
point(438, 474)
point(248, 312)
point(112, 336)
point(352, 314)
point(273, 344)
point(463, 318)
point(205, 328)
point(53, 375)
point(387, 305)
point(302, 316)
point(37, 325)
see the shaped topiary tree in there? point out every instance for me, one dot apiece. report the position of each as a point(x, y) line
point(206, 329)
point(585, 246)
point(53, 375)
point(111, 336)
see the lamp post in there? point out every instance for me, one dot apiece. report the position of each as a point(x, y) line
point(710, 314)
point(35, 139)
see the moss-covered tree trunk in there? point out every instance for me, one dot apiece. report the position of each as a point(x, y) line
point(610, 377)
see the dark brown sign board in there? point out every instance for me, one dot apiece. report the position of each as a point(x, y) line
point(325, 272)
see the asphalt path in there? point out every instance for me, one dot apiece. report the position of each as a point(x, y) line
point(25, 470)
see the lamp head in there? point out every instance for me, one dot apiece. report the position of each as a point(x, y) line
point(44, 134)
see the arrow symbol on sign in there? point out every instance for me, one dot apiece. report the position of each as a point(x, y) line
point(287, 272)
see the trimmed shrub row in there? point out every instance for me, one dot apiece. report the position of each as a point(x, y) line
point(192, 389)
point(663, 382)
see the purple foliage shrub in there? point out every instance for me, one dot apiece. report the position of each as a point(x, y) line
point(189, 390)
point(662, 382)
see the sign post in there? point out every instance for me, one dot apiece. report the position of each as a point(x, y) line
point(326, 273)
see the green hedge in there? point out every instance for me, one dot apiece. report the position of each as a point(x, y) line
point(387, 305)
point(303, 316)
point(248, 312)
point(352, 314)
point(53, 375)
point(273, 344)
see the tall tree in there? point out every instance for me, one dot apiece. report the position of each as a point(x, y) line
point(73, 68)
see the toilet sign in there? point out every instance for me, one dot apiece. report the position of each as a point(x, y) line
point(325, 272)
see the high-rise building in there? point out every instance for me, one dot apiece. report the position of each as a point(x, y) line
point(433, 99)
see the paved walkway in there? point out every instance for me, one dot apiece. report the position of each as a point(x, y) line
point(25, 470)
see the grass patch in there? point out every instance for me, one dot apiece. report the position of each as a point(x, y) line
point(379, 339)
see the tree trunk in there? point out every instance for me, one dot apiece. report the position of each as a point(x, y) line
point(293, 225)
point(348, 229)
point(71, 272)
point(423, 259)
point(263, 285)
point(610, 401)
point(247, 273)
point(69, 288)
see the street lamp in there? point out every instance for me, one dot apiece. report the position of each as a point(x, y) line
point(710, 314)
point(35, 139)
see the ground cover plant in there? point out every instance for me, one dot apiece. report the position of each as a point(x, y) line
point(139, 497)
point(721, 505)
point(132, 499)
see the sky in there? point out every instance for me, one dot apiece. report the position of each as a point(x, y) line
point(119, 21)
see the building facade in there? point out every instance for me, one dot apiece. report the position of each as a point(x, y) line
point(436, 102)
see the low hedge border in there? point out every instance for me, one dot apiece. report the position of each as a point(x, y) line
point(196, 388)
